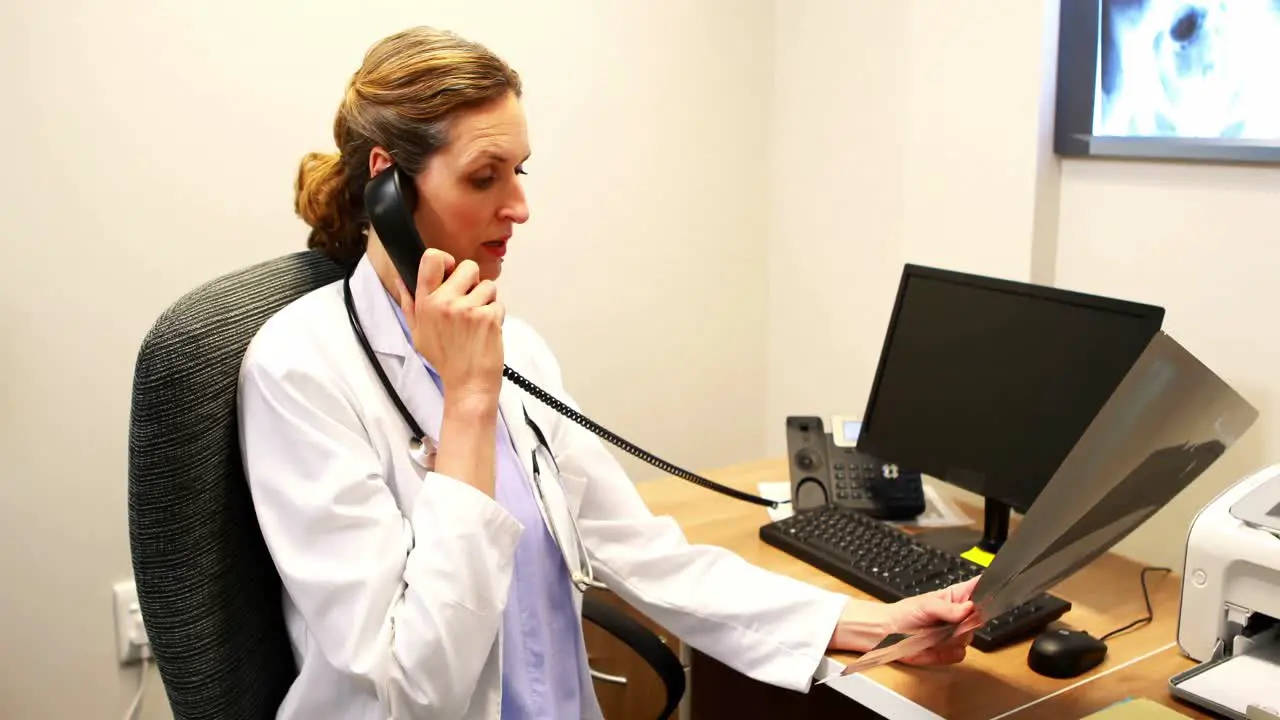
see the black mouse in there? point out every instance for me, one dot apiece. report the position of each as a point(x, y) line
point(1065, 653)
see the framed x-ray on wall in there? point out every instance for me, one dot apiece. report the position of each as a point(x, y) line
point(1169, 79)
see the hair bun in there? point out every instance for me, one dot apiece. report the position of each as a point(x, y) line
point(323, 201)
point(319, 189)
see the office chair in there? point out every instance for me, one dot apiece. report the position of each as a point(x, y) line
point(208, 590)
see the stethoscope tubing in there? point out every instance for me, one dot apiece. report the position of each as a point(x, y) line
point(421, 448)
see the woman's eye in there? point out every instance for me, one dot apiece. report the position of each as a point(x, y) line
point(487, 181)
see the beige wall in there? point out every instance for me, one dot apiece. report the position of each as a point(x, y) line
point(920, 131)
point(151, 145)
point(773, 166)
point(899, 135)
point(1201, 241)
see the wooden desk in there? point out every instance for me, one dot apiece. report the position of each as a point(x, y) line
point(1105, 595)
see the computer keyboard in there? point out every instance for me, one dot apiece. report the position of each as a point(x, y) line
point(890, 565)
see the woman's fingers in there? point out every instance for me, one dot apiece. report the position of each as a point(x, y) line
point(482, 294)
point(432, 269)
point(461, 281)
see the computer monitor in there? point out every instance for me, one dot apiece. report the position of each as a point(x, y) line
point(987, 384)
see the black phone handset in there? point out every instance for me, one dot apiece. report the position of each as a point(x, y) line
point(390, 200)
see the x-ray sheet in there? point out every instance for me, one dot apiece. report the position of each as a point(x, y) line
point(1166, 423)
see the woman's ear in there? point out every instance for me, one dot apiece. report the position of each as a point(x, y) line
point(379, 160)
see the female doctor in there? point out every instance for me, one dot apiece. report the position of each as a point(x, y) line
point(433, 525)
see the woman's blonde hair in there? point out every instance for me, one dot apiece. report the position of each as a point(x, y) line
point(402, 98)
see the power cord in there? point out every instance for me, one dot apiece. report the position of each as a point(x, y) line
point(1146, 598)
point(137, 699)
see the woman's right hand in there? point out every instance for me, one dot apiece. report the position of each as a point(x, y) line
point(456, 324)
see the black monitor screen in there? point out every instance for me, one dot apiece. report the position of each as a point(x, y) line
point(988, 384)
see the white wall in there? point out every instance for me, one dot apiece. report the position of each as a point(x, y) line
point(1200, 240)
point(838, 142)
point(152, 145)
point(919, 131)
point(900, 135)
point(754, 173)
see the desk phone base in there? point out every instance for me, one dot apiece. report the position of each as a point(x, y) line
point(891, 565)
point(825, 471)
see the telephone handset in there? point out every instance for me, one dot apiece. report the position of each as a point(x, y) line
point(390, 199)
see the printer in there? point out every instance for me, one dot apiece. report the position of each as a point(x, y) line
point(1230, 611)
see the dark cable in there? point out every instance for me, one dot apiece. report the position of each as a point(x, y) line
point(377, 366)
point(1146, 598)
point(555, 404)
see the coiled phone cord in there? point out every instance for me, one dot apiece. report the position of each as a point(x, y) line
point(613, 438)
point(555, 404)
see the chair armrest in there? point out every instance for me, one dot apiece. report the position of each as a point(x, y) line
point(644, 642)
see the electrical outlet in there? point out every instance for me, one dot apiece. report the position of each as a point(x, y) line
point(131, 636)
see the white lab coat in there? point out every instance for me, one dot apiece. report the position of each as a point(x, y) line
point(395, 578)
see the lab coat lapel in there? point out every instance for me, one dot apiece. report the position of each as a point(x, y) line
point(401, 362)
point(511, 403)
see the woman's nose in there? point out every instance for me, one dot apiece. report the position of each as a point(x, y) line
point(517, 209)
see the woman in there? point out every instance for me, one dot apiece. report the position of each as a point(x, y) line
point(429, 585)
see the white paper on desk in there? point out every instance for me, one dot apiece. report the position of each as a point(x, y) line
point(938, 511)
point(778, 491)
point(1248, 679)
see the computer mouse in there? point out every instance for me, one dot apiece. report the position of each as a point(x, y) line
point(1065, 653)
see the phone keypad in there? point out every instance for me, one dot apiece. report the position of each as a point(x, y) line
point(856, 479)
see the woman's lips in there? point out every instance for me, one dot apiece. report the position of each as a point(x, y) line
point(496, 248)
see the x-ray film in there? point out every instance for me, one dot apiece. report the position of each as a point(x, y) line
point(1188, 69)
point(1164, 425)
point(896, 647)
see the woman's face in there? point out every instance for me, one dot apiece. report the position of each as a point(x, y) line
point(469, 193)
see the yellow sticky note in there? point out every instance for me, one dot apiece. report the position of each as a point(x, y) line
point(978, 555)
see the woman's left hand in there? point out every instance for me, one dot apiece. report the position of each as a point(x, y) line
point(864, 624)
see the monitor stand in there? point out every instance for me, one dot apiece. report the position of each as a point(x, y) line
point(957, 541)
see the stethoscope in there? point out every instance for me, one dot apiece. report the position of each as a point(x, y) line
point(422, 451)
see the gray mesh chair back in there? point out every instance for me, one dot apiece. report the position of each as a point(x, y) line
point(209, 593)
